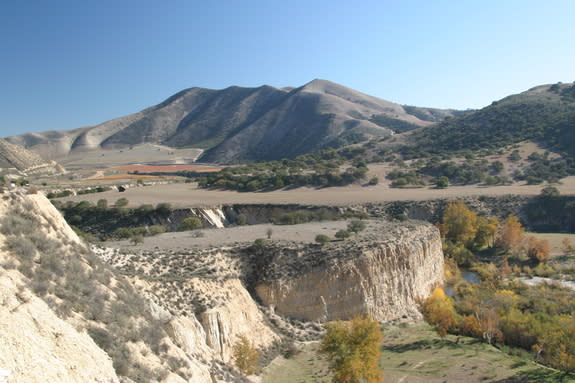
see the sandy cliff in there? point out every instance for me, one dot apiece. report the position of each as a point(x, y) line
point(382, 277)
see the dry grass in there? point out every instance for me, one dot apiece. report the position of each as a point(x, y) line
point(554, 240)
point(188, 195)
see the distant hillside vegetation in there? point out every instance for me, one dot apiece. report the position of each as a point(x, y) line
point(544, 114)
point(237, 124)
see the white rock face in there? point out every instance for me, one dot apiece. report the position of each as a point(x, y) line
point(238, 315)
point(37, 346)
point(381, 279)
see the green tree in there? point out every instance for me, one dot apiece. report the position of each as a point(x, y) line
point(353, 350)
point(191, 223)
point(245, 356)
point(442, 182)
point(342, 234)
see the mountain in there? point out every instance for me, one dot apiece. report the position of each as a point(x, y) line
point(25, 161)
point(245, 124)
point(544, 114)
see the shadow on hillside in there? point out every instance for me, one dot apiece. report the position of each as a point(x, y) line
point(539, 376)
point(420, 345)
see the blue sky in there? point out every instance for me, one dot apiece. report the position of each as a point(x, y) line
point(67, 64)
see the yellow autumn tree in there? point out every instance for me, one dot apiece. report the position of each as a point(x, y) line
point(246, 357)
point(486, 231)
point(439, 311)
point(353, 350)
point(459, 223)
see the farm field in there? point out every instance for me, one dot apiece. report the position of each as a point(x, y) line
point(150, 153)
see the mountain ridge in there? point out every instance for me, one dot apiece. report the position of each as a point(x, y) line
point(239, 124)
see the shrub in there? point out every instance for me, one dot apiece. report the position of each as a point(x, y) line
point(122, 202)
point(156, 229)
point(137, 239)
point(191, 223)
point(322, 239)
point(342, 234)
point(550, 192)
point(442, 182)
point(259, 244)
point(164, 209)
point(356, 226)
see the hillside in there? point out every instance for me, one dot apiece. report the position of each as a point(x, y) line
point(543, 114)
point(245, 124)
point(25, 161)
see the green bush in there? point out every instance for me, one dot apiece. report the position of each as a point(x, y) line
point(322, 239)
point(356, 226)
point(342, 234)
point(191, 223)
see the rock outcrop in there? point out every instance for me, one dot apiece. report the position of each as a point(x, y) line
point(380, 277)
point(26, 161)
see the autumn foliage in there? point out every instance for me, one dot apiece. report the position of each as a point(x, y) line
point(353, 350)
point(439, 311)
point(246, 357)
point(500, 309)
point(510, 234)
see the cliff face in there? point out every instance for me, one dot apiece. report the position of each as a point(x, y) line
point(380, 278)
point(66, 317)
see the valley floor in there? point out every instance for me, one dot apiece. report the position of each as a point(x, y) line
point(187, 195)
point(415, 354)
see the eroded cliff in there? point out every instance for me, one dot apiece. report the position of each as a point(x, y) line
point(382, 274)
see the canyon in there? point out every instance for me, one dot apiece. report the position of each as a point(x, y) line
point(174, 315)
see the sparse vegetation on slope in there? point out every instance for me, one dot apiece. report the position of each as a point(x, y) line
point(77, 285)
point(544, 114)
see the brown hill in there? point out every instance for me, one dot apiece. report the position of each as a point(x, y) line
point(245, 124)
point(26, 161)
